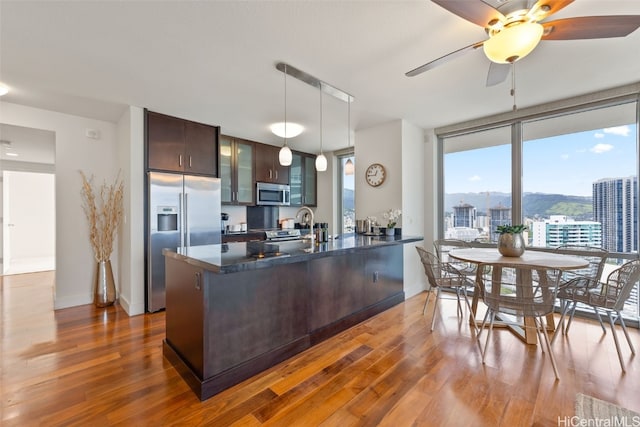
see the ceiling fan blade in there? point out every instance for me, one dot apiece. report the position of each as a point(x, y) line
point(538, 9)
point(446, 58)
point(497, 73)
point(591, 27)
point(475, 11)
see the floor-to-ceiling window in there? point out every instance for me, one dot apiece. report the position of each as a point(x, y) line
point(477, 184)
point(347, 211)
point(570, 174)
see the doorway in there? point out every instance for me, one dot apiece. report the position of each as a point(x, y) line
point(28, 199)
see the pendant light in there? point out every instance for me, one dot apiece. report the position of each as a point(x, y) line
point(348, 166)
point(321, 160)
point(285, 156)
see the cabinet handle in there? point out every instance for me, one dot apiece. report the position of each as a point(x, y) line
point(270, 173)
point(189, 161)
point(197, 284)
point(276, 173)
point(179, 159)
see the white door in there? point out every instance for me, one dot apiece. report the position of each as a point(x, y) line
point(28, 222)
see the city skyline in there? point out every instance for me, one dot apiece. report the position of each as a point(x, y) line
point(573, 162)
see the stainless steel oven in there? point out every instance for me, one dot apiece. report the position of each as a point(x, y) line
point(273, 194)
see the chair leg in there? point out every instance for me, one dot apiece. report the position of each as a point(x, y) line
point(595, 310)
point(560, 328)
point(484, 322)
point(426, 302)
point(573, 311)
point(466, 299)
point(486, 344)
point(435, 308)
point(615, 339)
point(459, 307)
point(626, 332)
point(540, 324)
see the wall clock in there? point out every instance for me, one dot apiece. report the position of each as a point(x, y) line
point(375, 174)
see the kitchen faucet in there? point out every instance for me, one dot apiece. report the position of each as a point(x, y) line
point(310, 212)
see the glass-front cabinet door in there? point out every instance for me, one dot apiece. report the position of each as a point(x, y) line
point(236, 171)
point(225, 169)
point(310, 197)
point(295, 180)
point(244, 162)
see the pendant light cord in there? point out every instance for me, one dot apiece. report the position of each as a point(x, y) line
point(285, 104)
point(320, 86)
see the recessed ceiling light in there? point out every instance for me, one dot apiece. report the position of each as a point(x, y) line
point(4, 89)
point(12, 154)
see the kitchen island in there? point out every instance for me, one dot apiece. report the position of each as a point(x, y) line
point(234, 310)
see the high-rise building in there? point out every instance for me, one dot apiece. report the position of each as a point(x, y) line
point(560, 230)
point(464, 215)
point(498, 215)
point(615, 204)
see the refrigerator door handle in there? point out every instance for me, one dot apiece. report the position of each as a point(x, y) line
point(187, 233)
point(181, 219)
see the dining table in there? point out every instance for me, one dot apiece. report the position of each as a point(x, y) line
point(541, 259)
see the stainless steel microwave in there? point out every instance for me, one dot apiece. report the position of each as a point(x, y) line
point(273, 194)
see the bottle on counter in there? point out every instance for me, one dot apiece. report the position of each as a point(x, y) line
point(317, 230)
point(325, 232)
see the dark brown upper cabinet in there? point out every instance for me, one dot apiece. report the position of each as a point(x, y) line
point(268, 168)
point(178, 145)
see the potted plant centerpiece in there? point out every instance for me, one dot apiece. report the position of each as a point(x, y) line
point(104, 213)
point(511, 241)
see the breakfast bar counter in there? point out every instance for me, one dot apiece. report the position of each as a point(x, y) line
point(234, 310)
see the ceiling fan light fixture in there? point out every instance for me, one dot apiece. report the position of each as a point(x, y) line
point(513, 42)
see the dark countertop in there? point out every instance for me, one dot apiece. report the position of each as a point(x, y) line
point(234, 257)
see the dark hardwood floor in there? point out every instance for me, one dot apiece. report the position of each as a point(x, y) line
point(99, 367)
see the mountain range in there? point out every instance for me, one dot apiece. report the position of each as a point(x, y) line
point(534, 205)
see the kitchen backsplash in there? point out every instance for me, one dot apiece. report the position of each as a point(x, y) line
point(238, 214)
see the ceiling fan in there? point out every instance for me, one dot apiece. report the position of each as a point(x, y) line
point(515, 27)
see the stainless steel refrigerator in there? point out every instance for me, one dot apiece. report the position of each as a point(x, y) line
point(183, 210)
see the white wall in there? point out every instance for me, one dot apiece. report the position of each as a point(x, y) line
point(381, 144)
point(130, 132)
point(399, 147)
point(431, 182)
point(75, 263)
point(29, 207)
point(413, 190)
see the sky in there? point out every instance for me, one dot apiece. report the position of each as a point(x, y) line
point(565, 164)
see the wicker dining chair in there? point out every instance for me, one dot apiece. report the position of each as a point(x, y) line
point(589, 276)
point(523, 291)
point(444, 246)
point(605, 298)
point(440, 276)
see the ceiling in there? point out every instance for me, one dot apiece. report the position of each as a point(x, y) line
point(214, 62)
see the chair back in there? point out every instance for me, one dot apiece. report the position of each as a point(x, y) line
point(519, 290)
point(597, 258)
point(619, 285)
point(443, 246)
point(431, 266)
